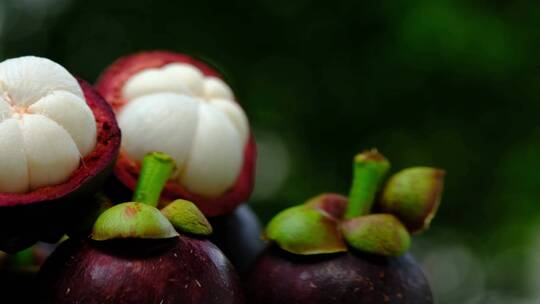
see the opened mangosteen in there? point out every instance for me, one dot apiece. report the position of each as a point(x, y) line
point(58, 142)
point(140, 254)
point(175, 104)
point(334, 250)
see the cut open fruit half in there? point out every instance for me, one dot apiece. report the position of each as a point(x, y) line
point(172, 103)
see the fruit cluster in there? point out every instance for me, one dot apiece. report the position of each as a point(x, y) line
point(182, 158)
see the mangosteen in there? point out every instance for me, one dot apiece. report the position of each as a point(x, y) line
point(137, 253)
point(59, 140)
point(178, 105)
point(335, 250)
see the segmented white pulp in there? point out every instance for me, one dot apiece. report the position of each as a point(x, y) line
point(177, 110)
point(45, 124)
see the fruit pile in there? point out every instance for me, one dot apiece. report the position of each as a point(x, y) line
point(141, 182)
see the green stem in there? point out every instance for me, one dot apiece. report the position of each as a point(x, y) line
point(156, 170)
point(370, 167)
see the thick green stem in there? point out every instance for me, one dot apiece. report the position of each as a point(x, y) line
point(156, 170)
point(370, 167)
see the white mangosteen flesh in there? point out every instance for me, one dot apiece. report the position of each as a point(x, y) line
point(46, 127)
point(194, 118)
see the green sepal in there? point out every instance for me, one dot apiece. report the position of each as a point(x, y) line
point(132, 220)
point(380, 234)
point(413, 195)
point(305, 230)
point(186, 217)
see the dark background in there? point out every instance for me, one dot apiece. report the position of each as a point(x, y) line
point(452, 84)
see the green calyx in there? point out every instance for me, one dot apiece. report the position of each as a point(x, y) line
point(186, 217)
point(132, 220)
point(305, 230)
point(413, 195)
point(328, 223)
point(141, 219)
point(381, 234)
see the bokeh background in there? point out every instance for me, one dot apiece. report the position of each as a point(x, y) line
point(446, 83)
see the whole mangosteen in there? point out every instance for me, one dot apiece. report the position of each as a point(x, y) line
point(332, 250)
point(140, 254)
point(58, 142)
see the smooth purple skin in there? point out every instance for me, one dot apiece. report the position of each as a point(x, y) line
point(238, 235)
point(341, 278)
point(178, 270)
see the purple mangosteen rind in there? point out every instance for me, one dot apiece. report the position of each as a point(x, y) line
point(329, 223)
point(351, 277)
point(173, 270)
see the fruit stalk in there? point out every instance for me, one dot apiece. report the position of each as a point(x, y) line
point(156, 170)
point(369, 169)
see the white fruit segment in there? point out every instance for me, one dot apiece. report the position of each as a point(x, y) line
point(50, 152)
point(13, 165)
point(216, 154)
point(177, 110)
point(73, 114)
point(27, 79)
point(216, 88)
point(45, 124)
point(144, 122)
point(5, 109)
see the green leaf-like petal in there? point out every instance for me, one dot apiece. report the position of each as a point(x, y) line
point(186, 217)
point(413, 195)
point(381, 234)
point(306, 230)
point(132, 220)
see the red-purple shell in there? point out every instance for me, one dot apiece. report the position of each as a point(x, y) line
point(342, 278)
point(178, 270)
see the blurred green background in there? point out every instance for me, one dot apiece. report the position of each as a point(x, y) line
point(452, 84)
